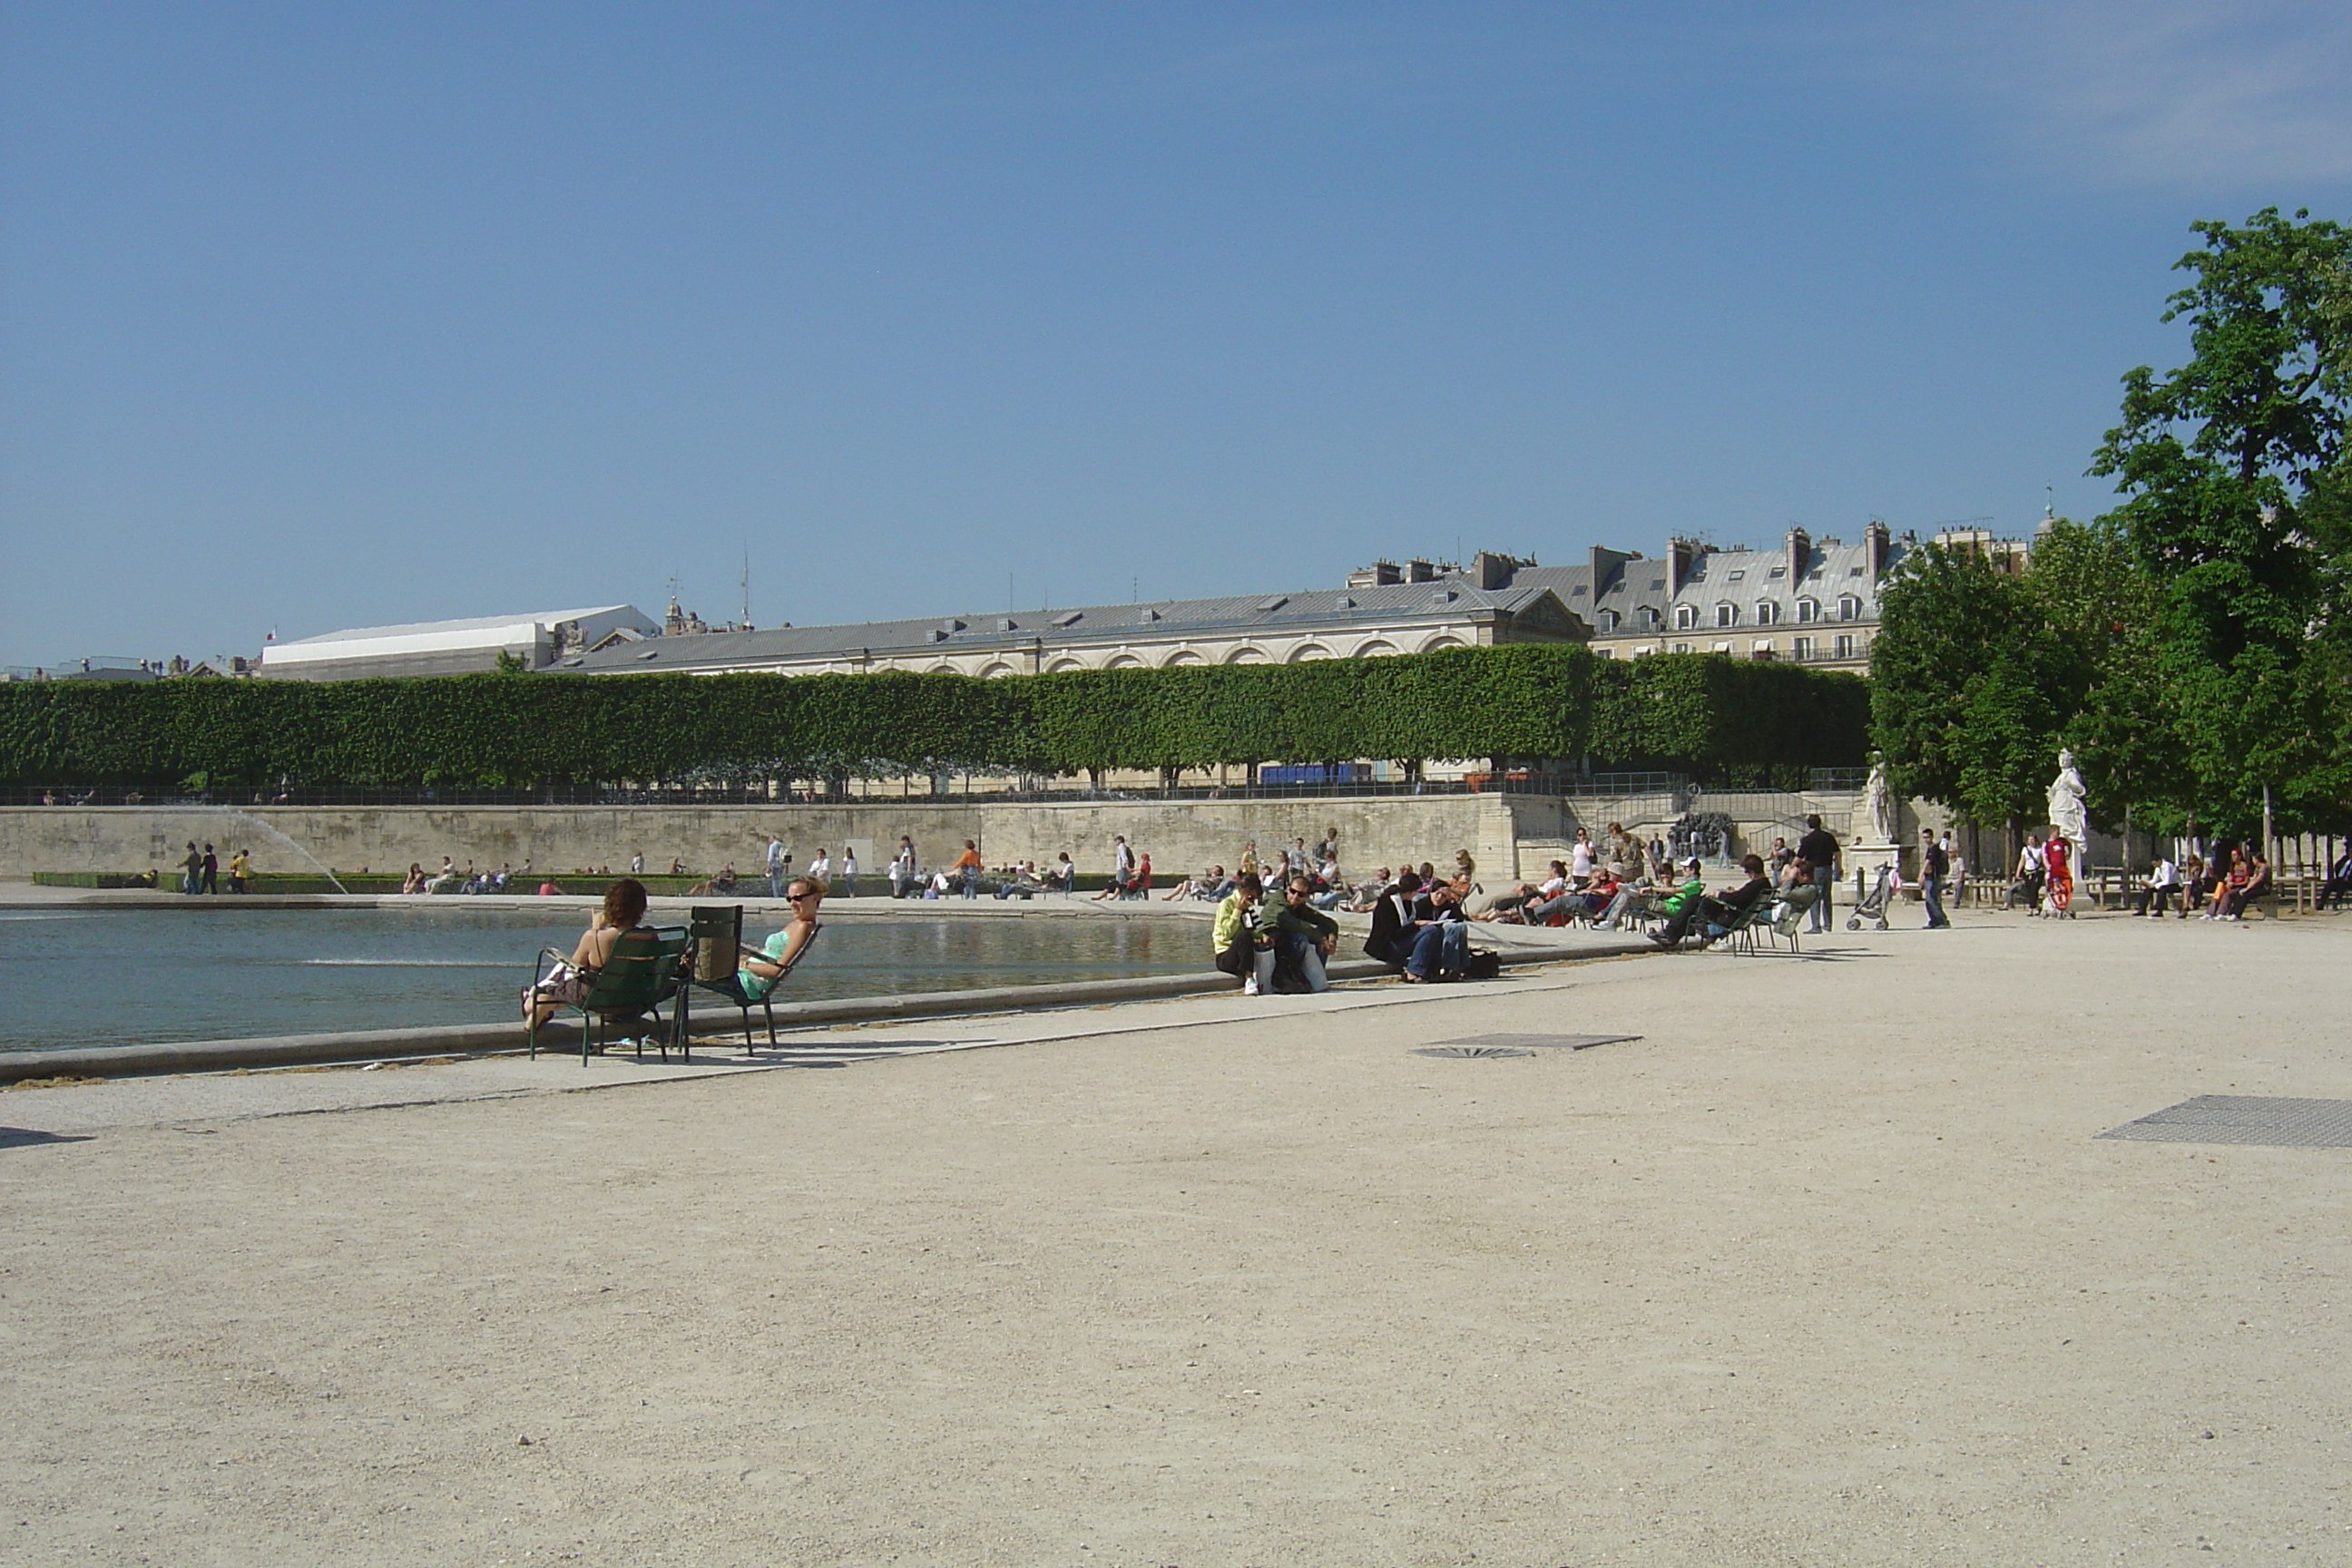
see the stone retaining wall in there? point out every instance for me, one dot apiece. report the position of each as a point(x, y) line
point(1506, 833)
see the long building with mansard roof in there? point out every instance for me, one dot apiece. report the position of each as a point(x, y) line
point(1433, 610)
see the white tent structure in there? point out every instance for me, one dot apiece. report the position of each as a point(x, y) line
point(453, 647)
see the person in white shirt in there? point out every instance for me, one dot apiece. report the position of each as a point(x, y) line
point(2028, 876)
point(848, 884)
point(776, 860)
point(2163, 887)
point(1579, 858)
point(820, 868)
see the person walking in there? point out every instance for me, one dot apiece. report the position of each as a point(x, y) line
point(212, 870)
point(847, 881)
point(775, 867)
point(192, 869)
point(637, 864)
point(1819, 850)
point(967, 869)
point(1935, 866)
point(237, 868)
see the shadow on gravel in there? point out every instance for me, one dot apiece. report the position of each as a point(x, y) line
point(23, 1137)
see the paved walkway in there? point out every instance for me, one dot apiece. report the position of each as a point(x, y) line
point(1829, 1265)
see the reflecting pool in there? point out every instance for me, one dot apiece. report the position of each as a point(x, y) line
point(87, 977)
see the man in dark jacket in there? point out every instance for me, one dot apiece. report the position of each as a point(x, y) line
point(1392, 928)
point(1304, 937)
point(1935, 867)
point(1818, 848)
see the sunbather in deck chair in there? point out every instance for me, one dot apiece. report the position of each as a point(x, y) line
point(748, 976)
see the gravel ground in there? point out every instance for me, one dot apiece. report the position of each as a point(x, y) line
point(1829, 1266)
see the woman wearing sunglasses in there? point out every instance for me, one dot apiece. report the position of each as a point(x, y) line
point(763, 966)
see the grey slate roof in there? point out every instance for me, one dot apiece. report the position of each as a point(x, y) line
point(1743, 578)
point(1338, 610)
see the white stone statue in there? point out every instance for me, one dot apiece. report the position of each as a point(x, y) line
point(1878, 806)
point(2066, 812)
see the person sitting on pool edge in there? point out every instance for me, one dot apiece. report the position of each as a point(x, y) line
point(1239, 946)
point(1303, 938)
point(761, 967)
point(567, 983)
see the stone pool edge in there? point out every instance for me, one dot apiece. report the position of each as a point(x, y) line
point(711, 1027)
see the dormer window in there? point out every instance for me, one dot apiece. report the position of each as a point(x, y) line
point(1849, 609)
point(1608, 620)
point(1807, 611)
point(1778, 572)
point(1685, 617)
point(1726, 615)
point(1767, 612)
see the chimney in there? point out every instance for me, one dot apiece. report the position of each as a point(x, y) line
point(1379, 575)
point(1679, 553)
point(1420, 570)
point(1800, 551)
point(1491, 571)
point(1608, 566)
point(1874, 540)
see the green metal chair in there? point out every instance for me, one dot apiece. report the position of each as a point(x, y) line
point(641, 974)
point(717, 947)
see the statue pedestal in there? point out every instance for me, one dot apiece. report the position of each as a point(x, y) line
point(1871, 856)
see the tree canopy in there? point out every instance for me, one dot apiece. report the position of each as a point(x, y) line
point(2192, 646)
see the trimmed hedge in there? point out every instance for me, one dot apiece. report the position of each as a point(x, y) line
point(1703, 712)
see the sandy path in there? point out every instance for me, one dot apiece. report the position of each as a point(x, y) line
point(1829, 1268)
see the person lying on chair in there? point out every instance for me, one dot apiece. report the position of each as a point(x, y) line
point(1716, 914)
point(761, 967)
point(625, 906)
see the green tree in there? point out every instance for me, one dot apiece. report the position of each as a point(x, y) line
point(2095, 596)
point(2218, 460)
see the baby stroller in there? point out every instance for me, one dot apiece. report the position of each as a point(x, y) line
point(1872, 908)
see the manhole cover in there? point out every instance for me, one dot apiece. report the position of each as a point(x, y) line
point(2246, 1119)
point(1471, 1051)
point(1544, 1042)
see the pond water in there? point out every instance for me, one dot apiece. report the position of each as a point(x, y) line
point(90, 977)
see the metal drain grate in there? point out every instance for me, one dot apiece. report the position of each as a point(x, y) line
point(2246, 1119)
point(1544, 1042)
point(1471, 1051)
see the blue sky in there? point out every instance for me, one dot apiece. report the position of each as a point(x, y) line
point(324, 316)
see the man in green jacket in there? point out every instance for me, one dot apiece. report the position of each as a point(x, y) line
point(1679, 906)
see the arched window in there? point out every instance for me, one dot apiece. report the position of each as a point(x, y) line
point(1608, 620)
point(1726, 615)
point(1767, 612)
point(1807, 611)
point(1849, 609)
point(1685, 617)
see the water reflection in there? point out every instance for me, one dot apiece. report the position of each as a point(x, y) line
point(125, 976)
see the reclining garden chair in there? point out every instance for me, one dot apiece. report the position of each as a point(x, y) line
point(1788, 913)
point(637, 978)
point(717, 953)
